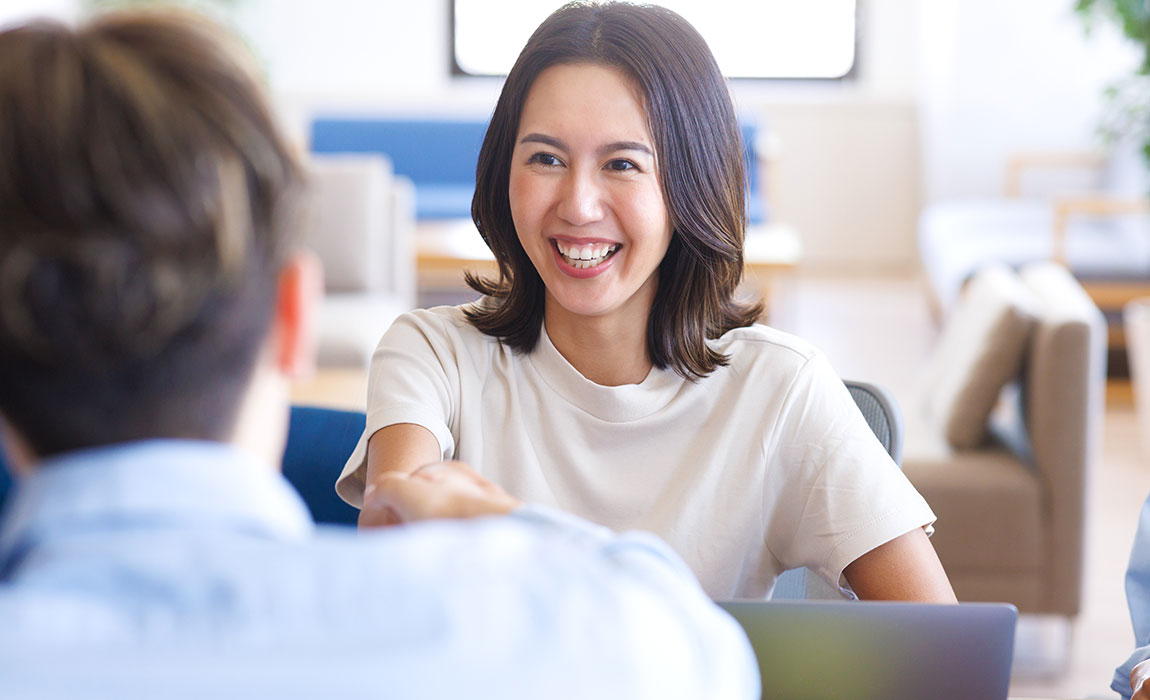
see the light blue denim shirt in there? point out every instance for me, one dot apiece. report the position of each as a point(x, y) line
point(172, 569)
point(1138, 599)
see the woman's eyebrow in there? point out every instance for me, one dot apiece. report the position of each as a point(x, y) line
point(625, 146)
point(544, 139)
point(612, 147)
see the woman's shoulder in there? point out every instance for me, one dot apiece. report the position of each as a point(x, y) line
point(444, 330)
point(758, 342)
point(443, 321)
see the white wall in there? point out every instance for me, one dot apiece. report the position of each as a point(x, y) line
point(998, 77)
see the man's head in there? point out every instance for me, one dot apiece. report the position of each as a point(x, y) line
point(145, 207)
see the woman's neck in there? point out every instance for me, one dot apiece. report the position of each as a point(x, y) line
point(610, 350)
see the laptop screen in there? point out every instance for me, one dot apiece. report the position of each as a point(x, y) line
point(879, 650)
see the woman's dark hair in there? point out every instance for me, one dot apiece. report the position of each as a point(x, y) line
point(700, 167)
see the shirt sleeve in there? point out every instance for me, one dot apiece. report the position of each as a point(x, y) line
point(414, 378)
point(675, 642)
point(1138, 600)
point(834, 493)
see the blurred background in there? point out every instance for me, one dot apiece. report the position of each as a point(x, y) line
point(896, 147)
point(937, 98)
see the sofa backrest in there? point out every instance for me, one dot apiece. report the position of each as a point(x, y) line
point(429, 151)
point(1063, 404)
point(438, 155)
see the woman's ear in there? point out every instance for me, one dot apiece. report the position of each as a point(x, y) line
point(298, 296)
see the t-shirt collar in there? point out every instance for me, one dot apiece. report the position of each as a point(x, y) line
point(614, 404)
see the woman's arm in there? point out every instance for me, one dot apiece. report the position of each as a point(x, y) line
point(906, 568)
point(402, 448)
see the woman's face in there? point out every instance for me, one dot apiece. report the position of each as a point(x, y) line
point(585, 194)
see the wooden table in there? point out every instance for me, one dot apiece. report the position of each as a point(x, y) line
point(444, 249)
point(770, 250)
point(332, 387)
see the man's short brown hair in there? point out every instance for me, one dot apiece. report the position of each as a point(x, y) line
point(143, 195)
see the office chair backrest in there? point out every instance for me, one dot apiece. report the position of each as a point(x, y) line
point(883, 416)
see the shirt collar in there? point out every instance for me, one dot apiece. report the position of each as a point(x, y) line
point(153, 482)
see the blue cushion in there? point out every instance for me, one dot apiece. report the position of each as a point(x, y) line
point(756, 206)
point(319, 442)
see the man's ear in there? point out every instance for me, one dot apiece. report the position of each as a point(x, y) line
point(18, 455)
point(298, 296)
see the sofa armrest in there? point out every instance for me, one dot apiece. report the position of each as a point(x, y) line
point(1064, 403)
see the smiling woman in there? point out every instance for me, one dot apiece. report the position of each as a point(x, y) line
point(609, 370)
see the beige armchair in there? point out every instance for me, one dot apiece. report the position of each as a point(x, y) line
point(1007, 468)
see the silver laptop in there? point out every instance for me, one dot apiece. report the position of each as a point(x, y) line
point(818, 650)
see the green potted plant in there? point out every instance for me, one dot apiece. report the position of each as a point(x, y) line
point(1127, 113)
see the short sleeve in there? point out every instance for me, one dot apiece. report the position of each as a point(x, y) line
point(414, 378)
point(832, 493)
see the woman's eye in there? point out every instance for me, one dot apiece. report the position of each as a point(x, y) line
point(620, 165)
point(544, 159)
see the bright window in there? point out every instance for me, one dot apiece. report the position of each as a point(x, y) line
point(750, 38)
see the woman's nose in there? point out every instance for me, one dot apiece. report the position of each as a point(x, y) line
point(581, 201)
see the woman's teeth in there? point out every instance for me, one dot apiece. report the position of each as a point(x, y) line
point(584, 256)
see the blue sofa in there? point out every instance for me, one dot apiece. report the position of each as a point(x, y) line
point(440, 156)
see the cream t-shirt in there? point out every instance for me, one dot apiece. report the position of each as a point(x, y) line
point(763, 466)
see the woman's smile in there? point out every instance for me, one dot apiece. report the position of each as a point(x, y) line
point(584, 259)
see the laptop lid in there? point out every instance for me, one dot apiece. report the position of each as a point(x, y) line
point(878, 650)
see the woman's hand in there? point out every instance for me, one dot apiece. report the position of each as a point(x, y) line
point(1138, 685)
point(438, 490)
